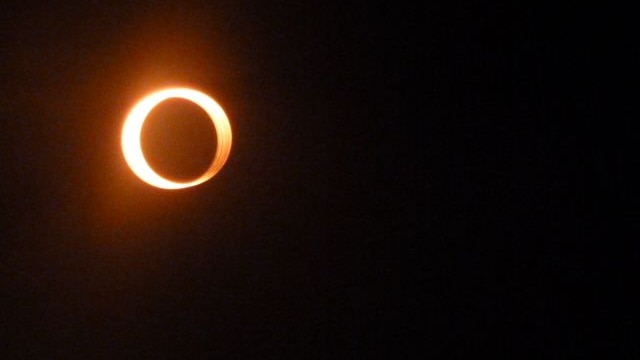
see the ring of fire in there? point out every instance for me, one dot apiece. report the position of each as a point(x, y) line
point(132, 131)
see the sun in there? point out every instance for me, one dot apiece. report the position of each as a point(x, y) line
point(132, 130)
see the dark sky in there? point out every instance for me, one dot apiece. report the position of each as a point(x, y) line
point(403, 182)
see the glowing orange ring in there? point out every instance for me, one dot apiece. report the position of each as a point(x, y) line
point(132, 130)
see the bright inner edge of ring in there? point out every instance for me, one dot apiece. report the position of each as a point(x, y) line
point(132, 132)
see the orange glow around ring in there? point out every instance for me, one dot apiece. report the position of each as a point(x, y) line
point(132, 130)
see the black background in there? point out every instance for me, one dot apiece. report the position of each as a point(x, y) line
point(450, 181)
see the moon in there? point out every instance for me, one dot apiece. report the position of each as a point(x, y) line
point(132, 130)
